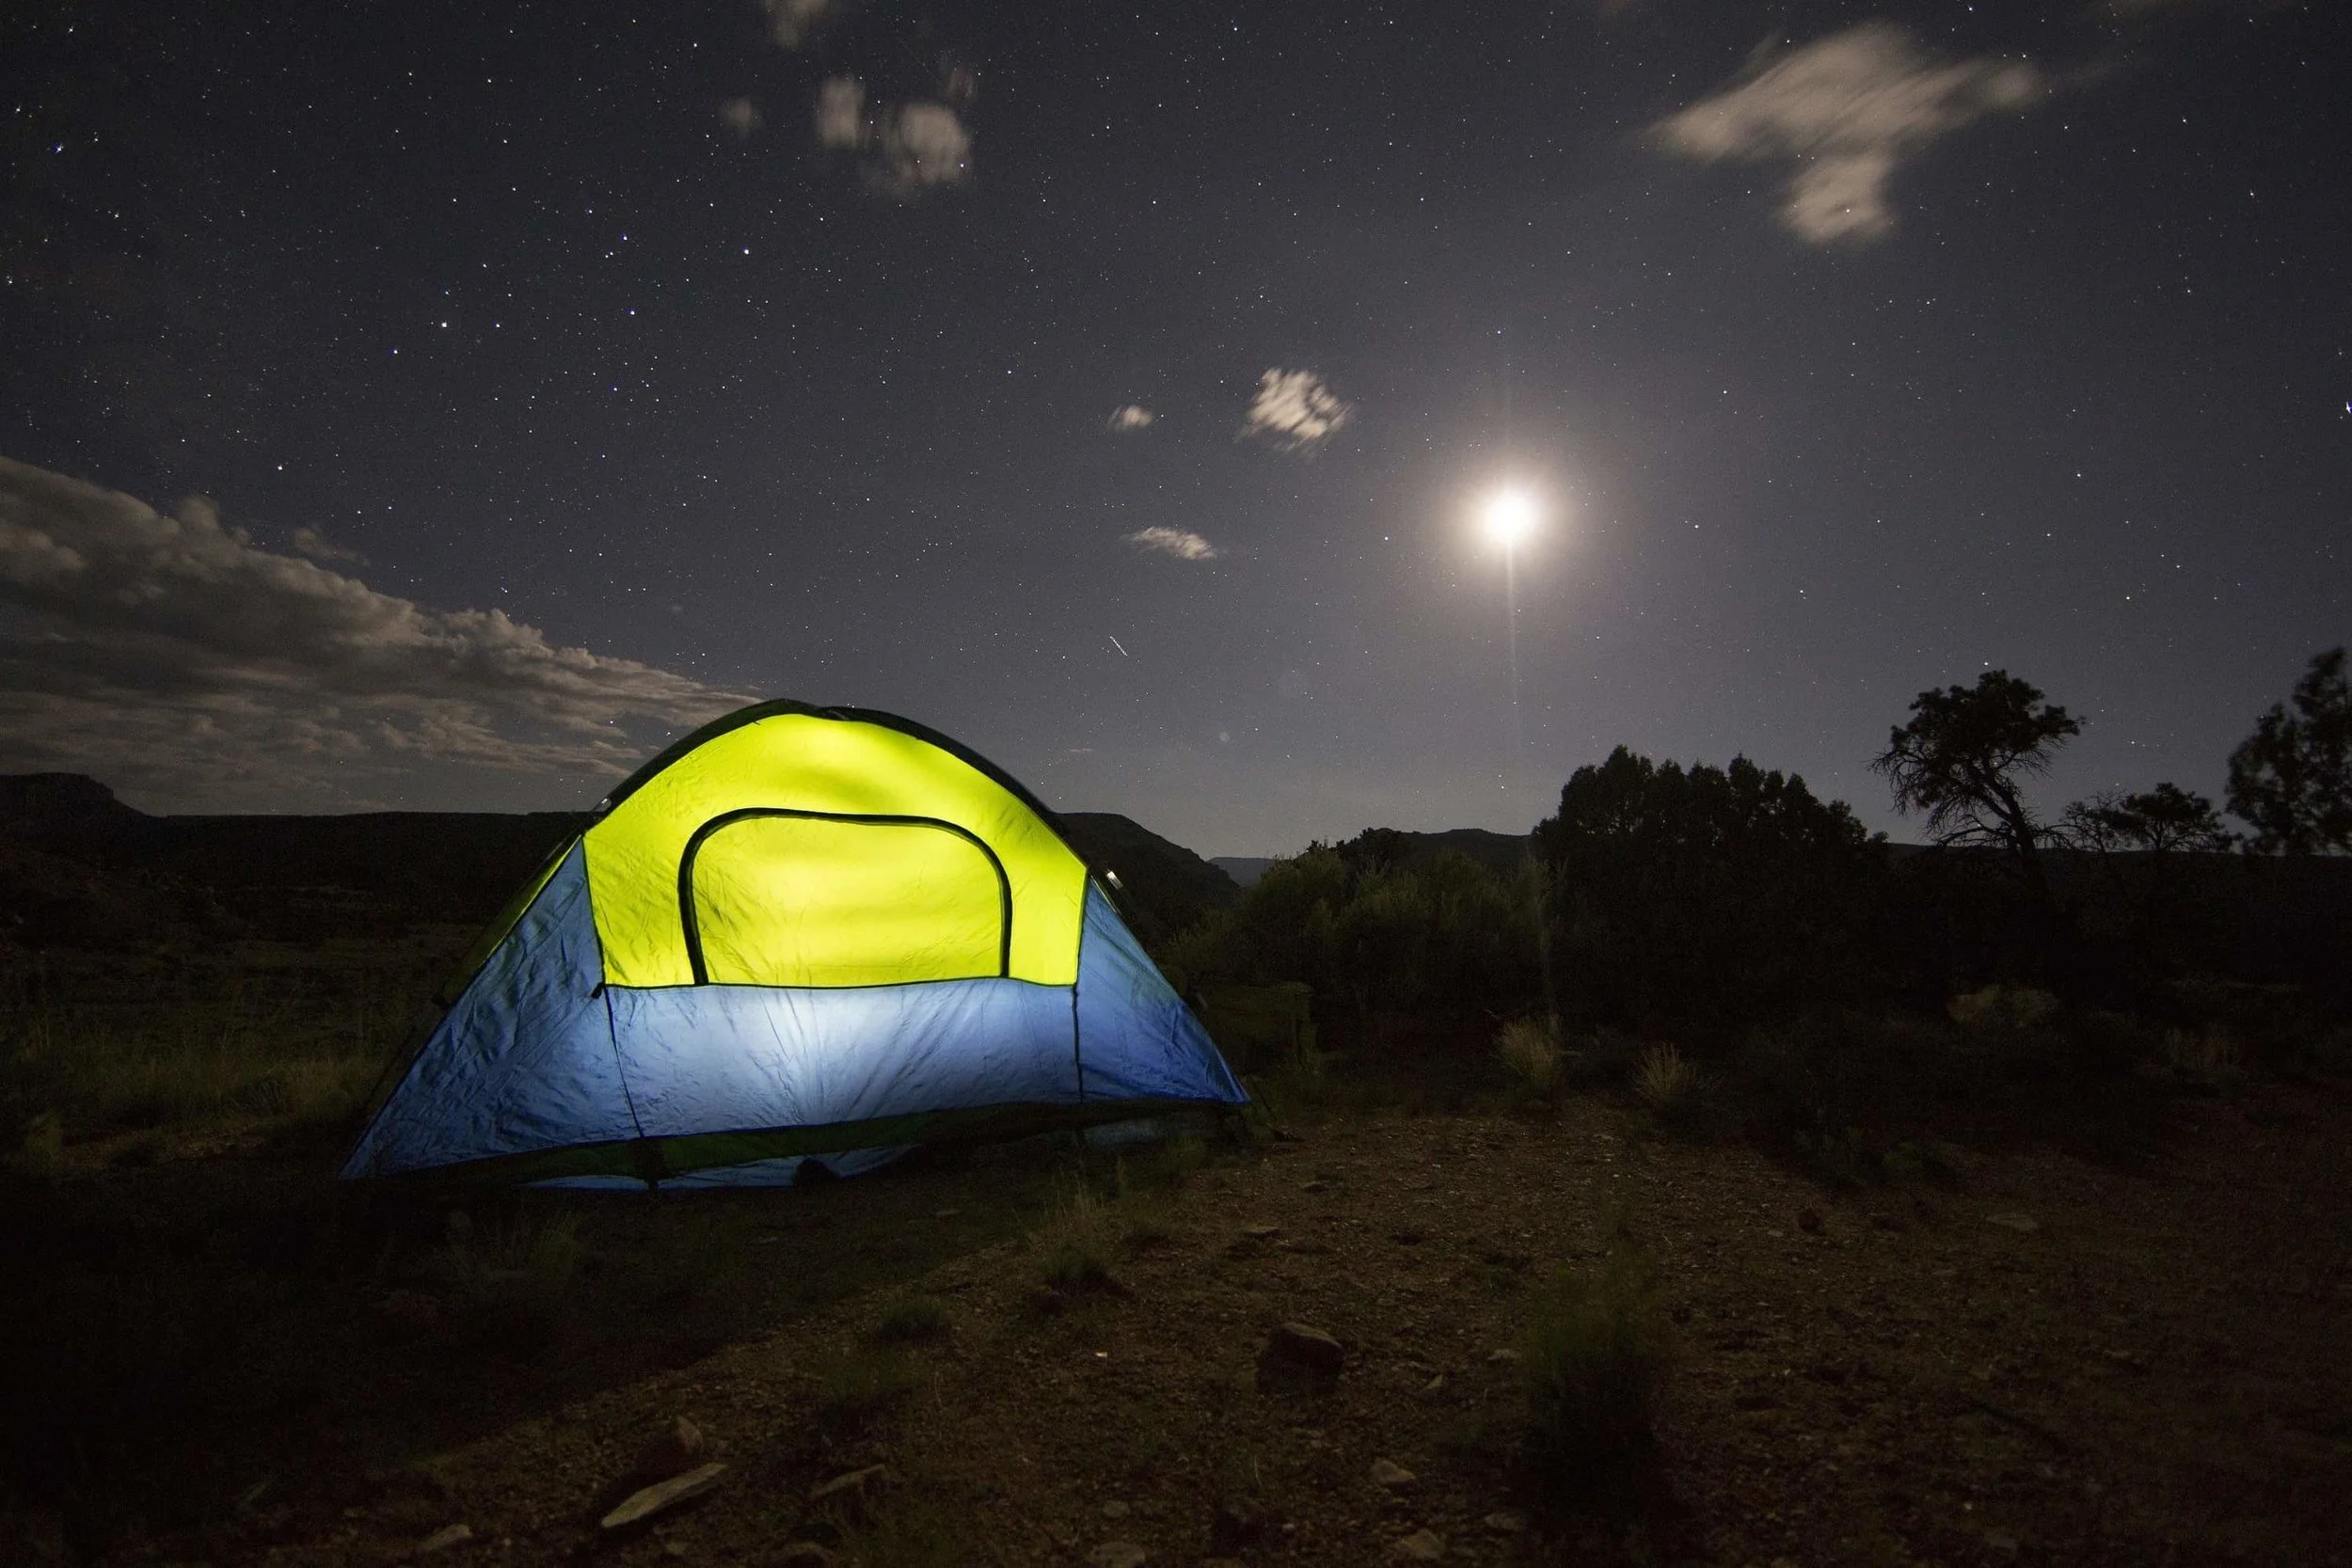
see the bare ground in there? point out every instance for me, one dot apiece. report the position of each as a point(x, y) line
point(2023, 1356)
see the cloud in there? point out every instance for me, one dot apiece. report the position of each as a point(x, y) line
point(1294, 409)
point(790, 21)
point(924, 144)
point(741, 116)
point(1183, 544)
point(1133, 416)
point(1845, 110)
point(841, 112)
point(176, 658)
point(310, 542)
point(910, 145)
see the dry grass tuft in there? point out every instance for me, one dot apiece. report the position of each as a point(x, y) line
point(242, 1056)
point(857, 1385)
point(1596, 1353)
point(2002, 1007)
point(910, 1321)
point(1530, 1053)
point(1665, 1083)
point(2209, 1057)
point(1073, 1246)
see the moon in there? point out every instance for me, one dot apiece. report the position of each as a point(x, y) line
point(1509, 518)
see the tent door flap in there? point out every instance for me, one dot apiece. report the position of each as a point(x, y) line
point(773, 897)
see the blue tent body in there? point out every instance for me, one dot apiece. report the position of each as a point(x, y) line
point(543, 1070)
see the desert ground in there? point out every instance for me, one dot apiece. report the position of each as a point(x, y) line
point(2057, 1320)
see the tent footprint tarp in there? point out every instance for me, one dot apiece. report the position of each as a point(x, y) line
point(798, 932)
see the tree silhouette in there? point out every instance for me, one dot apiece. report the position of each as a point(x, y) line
point(1961, 760)
point(2291, 779)
point(2161, 821)
point(1721, 890)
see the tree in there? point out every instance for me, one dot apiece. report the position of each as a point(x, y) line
point(1962, 758)
point(2161, 821)
point(1718, 890)
point(2291, 779)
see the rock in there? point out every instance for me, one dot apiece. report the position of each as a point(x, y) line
point(946, 1213)
point(802, 1554)
point(1119, 1554)
point(1809, 1221)
point(1234, 1528)
point(1435, 1384)
point(1501, 1357)
point(2001, 1541)
point(643, 1505)
point(1506, 1521)
point(1420, 1546)
point(2024, 1224)
point(1298, 1357)
point(854, 1492)
point(1116, 1510)
point(674, 1452)
point(442, 1540)
point(1392, 1477)
point(1262, 1233)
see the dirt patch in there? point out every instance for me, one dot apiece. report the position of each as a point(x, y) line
point(2031, 1358)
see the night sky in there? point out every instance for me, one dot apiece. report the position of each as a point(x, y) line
point(440, 406)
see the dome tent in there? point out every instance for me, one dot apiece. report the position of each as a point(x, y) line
point(797, 931)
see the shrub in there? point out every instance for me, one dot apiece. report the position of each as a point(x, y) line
point(1596, 1352)
point(1999, 1007)
point(511, 1280)
point(41, 1152)
point(1301, 1082)
point(1665, 1083)
point(1163, 1166)
point(1844, 1156)
point(238, 1055)
point(1376, 928)
point(2209, 1057)
point(1530, 1049)
point(912, 1319)
point(856, 1386)
point(538, 1243)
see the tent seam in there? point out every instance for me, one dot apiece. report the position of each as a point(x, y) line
point(620, 1068)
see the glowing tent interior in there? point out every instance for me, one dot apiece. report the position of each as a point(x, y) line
point(798, 932)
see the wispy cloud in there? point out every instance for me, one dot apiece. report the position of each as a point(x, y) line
point(1294, 409)
point(791, 21)
point(171, 655)
point(318, 546)
point(1845, 111)
point(1133, 416)
point(1183, 544)
point(741, 116)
